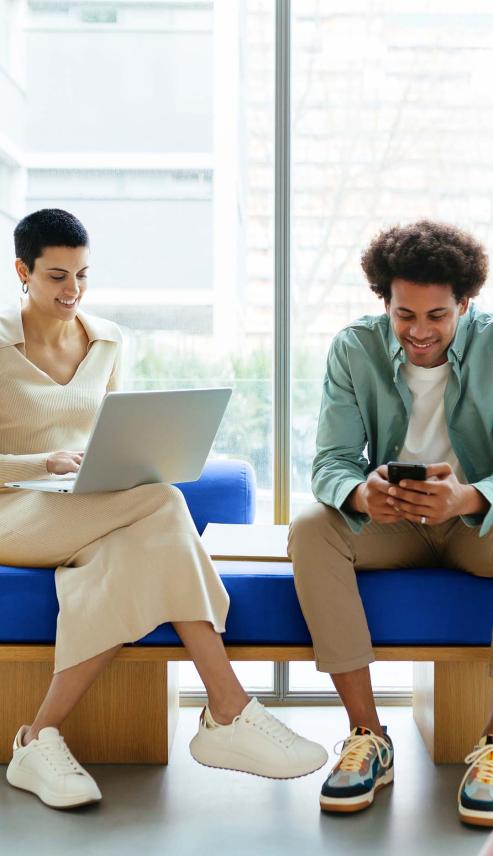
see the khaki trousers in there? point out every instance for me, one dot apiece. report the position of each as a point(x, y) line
point(325, 554)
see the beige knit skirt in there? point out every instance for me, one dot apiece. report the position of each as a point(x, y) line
point(125, 561)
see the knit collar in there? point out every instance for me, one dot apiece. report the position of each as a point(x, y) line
point(12, 331)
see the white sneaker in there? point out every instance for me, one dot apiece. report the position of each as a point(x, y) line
point(255, 742)
point(47, 768)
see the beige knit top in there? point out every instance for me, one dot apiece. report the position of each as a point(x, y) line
point(39, 416)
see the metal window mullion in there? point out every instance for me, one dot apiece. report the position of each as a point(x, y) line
point(284, 682)
point(278, 681)
point(282, 285)
point(282, 309)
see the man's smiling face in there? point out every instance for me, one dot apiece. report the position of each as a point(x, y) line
point(424, 319)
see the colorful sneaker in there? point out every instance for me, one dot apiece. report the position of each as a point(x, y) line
point(476, 788)
point(256, 742)
point(366, 764)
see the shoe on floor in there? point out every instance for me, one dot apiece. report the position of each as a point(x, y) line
point(366, 764)
point(476, 788)
point(255, 742)
point(47, 768)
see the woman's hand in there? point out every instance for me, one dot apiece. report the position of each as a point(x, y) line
point(60, 463)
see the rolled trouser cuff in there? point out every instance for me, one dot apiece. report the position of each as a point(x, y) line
point(337, 666)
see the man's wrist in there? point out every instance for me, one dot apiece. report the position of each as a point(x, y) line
point(356, 501)
point(473, 502)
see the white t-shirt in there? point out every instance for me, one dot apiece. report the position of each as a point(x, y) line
point(427, 438)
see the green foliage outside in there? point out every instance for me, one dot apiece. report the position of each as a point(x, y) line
point(247, 429)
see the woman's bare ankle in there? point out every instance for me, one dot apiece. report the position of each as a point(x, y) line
point(223, 711)
point(28, 736)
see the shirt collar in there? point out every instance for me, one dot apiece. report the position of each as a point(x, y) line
point(455, 350)
point(396, 351)
point(458, 343)
point(12, 331)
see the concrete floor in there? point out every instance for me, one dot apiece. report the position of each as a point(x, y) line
point(188, 809)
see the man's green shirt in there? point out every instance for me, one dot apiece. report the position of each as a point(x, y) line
point(366, 406)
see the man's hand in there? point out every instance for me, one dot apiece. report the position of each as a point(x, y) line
point(371, 497)
point(438, 499)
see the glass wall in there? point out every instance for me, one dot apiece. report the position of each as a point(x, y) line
point(392, 121)
point(153, 123)
point(12, 128)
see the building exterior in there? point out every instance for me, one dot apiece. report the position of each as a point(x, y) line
point(153, 121)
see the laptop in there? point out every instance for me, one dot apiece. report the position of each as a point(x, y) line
point(144, 437)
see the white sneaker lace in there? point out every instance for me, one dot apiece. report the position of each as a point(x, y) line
point(482, 758)
point(60, 757)
point(357, 747)
point(268, 724)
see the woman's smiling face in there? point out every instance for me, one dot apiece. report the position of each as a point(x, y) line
point(424, 319)
point(58, 280)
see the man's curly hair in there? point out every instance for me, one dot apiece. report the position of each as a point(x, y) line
point(427, 253)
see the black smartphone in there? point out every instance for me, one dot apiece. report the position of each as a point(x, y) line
point(399, 470)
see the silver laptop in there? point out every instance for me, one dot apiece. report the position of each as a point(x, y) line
point(143, 438)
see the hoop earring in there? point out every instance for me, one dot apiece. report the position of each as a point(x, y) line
point(25, 287)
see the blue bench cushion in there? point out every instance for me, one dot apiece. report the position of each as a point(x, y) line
point(404, 607)
point(224, 493)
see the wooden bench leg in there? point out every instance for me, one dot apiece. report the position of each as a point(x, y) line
point(451, 704)
point(128, 716)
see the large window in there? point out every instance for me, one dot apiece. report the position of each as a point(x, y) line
point(155, 124)
point(392, 119)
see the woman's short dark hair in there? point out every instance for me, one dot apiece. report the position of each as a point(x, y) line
point(50, 227)
point(426, 253)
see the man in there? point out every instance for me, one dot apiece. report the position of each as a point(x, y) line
point(413, 384)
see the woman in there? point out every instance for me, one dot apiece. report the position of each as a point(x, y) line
point(126, 561)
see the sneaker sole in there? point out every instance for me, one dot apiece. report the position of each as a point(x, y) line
point(237, 767)
point(348, 805)
point(49, 798)
point(475, 818)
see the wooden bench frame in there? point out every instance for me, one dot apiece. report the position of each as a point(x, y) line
point(129, 715)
